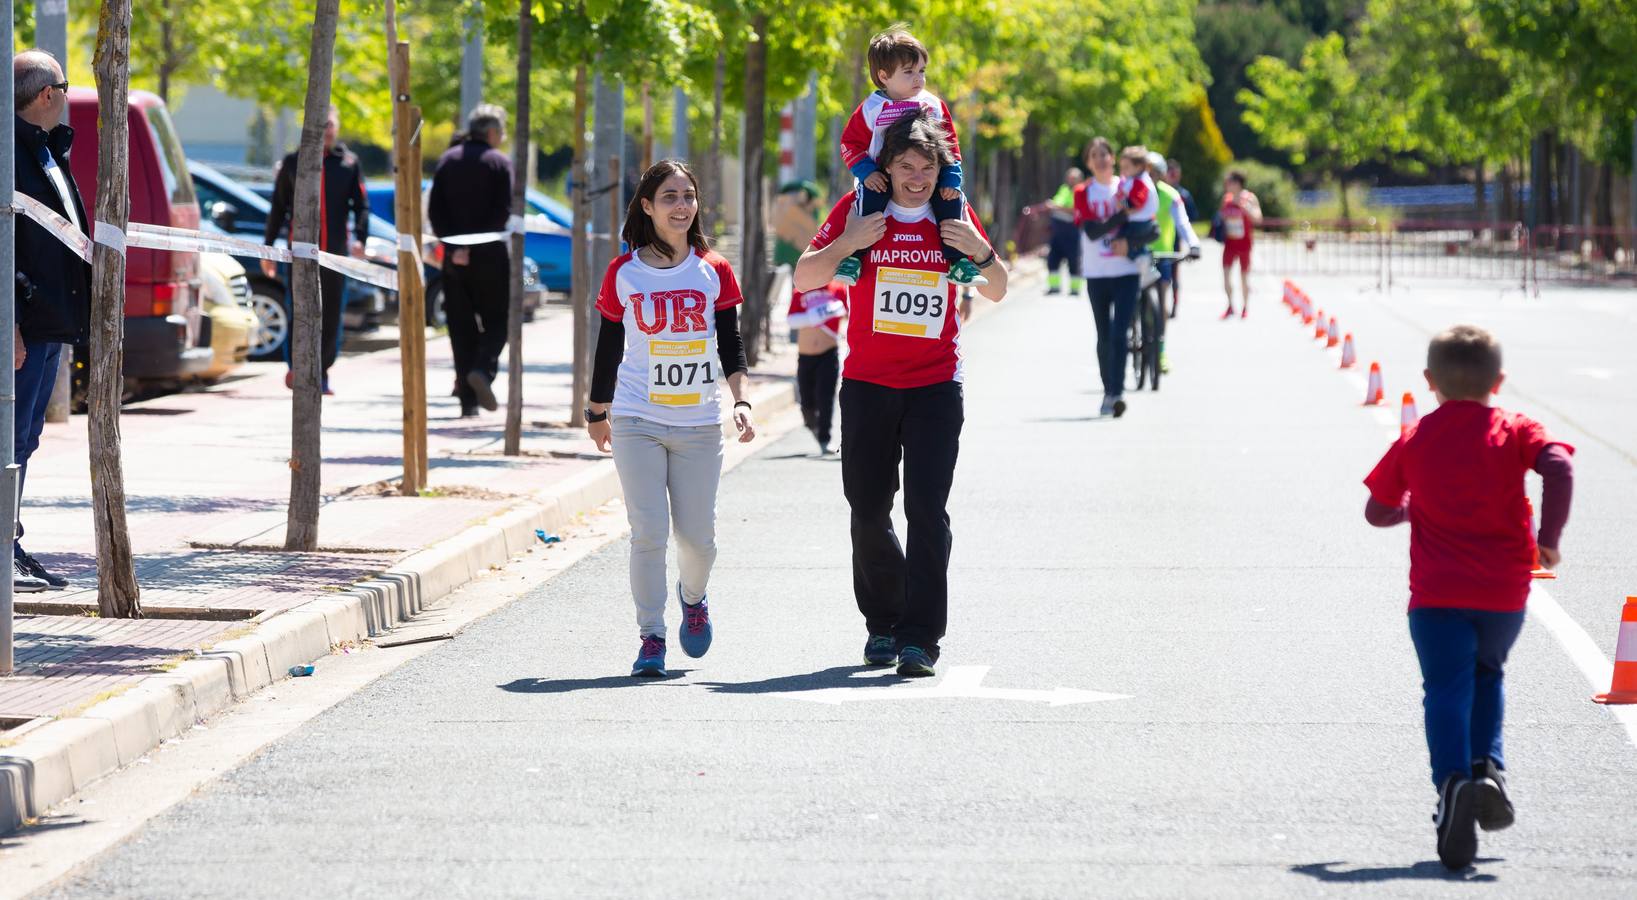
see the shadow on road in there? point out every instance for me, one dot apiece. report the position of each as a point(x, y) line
point(569, 685)
point(1427, 870)
point(839, 676)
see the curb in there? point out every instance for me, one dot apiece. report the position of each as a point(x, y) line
point(57, 759)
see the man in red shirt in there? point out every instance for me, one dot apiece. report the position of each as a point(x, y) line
point(901, 390)
point(1236, 222)
point(1457, 477)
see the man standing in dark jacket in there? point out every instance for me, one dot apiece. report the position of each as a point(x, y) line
point(53, 282)
point(340, 192)
point(472, 194)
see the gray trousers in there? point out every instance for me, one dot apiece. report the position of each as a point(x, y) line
point(669, 475)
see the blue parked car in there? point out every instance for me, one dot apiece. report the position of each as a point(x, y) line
point(546, 242)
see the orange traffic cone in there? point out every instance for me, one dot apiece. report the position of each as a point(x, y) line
point(1407, 415)
point(1298, 298)
point(1537, 571)
point(1374, 395)
point(1289, 290)
point(1624, 689)
point(1348, 357)
point(1320, 329)
point(1332, 337)
point(1307, 310)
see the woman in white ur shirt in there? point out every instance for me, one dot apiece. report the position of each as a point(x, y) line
point(670, 335)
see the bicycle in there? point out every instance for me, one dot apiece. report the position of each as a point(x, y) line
point(1147, 333)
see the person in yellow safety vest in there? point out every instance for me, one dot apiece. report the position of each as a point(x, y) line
point(1174, 224)
point(1065, 238)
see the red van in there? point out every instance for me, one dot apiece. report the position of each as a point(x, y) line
point(167, 335)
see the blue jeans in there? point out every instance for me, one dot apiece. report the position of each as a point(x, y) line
point(35, 381)
point(1461, 653)
point(1113, 303)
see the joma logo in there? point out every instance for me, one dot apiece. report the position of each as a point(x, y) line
point(905, 237)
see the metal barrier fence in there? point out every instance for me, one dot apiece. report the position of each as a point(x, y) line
point(1473, 251)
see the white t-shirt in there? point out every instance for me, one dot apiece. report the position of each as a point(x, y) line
point(671, 370)
point(1094, 202)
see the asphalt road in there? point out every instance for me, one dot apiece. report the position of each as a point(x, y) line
point(1205, 558)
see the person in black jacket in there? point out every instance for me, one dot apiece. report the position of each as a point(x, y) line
point(340, 193)
point(472, 194)
point(53, 282)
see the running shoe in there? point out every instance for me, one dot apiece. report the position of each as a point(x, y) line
point(1165, 364)
point(849, 270)
point(1457, 841)
point(913, 662)
point(695, 635)
point(1244, 311)
point(1494, 806)
point(1108, 405)
point(1227, 313)
point(878, 651)
point(966, 272)
point(1118, 407)
point(651, 658)
point(32, 566)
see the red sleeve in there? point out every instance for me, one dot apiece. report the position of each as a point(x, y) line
point(1532, 439)
point(1138, 195)
point(855, 139)
point(609, 302)
point(1082, 209)
point(834, 224)
point(949, 126)
point(731, 295)
point(1386, 482)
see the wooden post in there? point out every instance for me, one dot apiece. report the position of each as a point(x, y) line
point(647, 129)
point(580, 265)
point(520, 180)
point(306, 407)
point(752, 234)
point(118, 595)
point(417, 300)
point(411, 317)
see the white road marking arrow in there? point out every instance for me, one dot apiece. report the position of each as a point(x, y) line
point(958, 681)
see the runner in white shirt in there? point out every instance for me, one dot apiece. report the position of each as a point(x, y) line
point(669, 338)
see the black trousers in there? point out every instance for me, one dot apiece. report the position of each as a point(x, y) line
point(1063, 248)
point(332, 299)
point(816, 377)
point(905, 596)
point(477, 302)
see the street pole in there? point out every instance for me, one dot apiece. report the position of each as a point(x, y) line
point(471, 64)
point(51, 35)
point(807, 131)
point(608, 140)
point(8, 331)
point(679, 124)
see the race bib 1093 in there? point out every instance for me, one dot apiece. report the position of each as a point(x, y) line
point(910, 302)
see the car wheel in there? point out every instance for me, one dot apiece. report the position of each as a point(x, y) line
point(435, 315)
point(272, 321)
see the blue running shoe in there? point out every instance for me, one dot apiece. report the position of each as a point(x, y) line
point(651, 658)
point(913, 662)
point(696, 625)
point(878, 651)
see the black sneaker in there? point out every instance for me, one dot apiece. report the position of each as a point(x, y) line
point(1494, 808)
point(1457, 839)
point(878, 651)
point(483, 386)
point(32, 566)
point(913, 662)
point(24, 582)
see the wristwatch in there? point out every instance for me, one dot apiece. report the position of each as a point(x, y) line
point(595, 417)
point(988, 261)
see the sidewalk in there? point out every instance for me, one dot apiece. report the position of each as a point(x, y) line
point(226, 610)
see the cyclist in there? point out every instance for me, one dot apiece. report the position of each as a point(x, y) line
point(1175, 227)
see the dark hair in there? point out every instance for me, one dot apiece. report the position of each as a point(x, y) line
point(1172, 165)
point(1464, 362)
point(1238, 176)
point(639, 228)
point(1093, 144)
point(1136, 153)
point(892, 50)
point(918, 133)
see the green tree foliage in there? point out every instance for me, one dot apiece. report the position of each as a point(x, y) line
point(1326, 114)
point(1230, 37)
point(1197, 144)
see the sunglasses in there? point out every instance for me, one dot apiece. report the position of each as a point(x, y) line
point(61, 86)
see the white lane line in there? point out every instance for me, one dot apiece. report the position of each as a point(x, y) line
point(1582, 651)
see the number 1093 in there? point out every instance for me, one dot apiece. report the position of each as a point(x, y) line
point(905, 303)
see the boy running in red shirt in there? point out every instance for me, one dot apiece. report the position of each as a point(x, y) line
point(1457, 476)
point(898, 64)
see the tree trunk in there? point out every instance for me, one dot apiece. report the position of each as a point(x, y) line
point(118, 595)
point(580, 250)
point(1508, 195)
point(1480, 201)
point(520, 178)
point(753, 242)
point(713, 166)
point(306, 406)
point(1603, 211)
point(1346, 203)
point(1540, 180)
point(647, 129)
point(166, 54)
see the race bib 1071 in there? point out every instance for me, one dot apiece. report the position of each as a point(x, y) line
point(679, 372)
point(910, 302)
